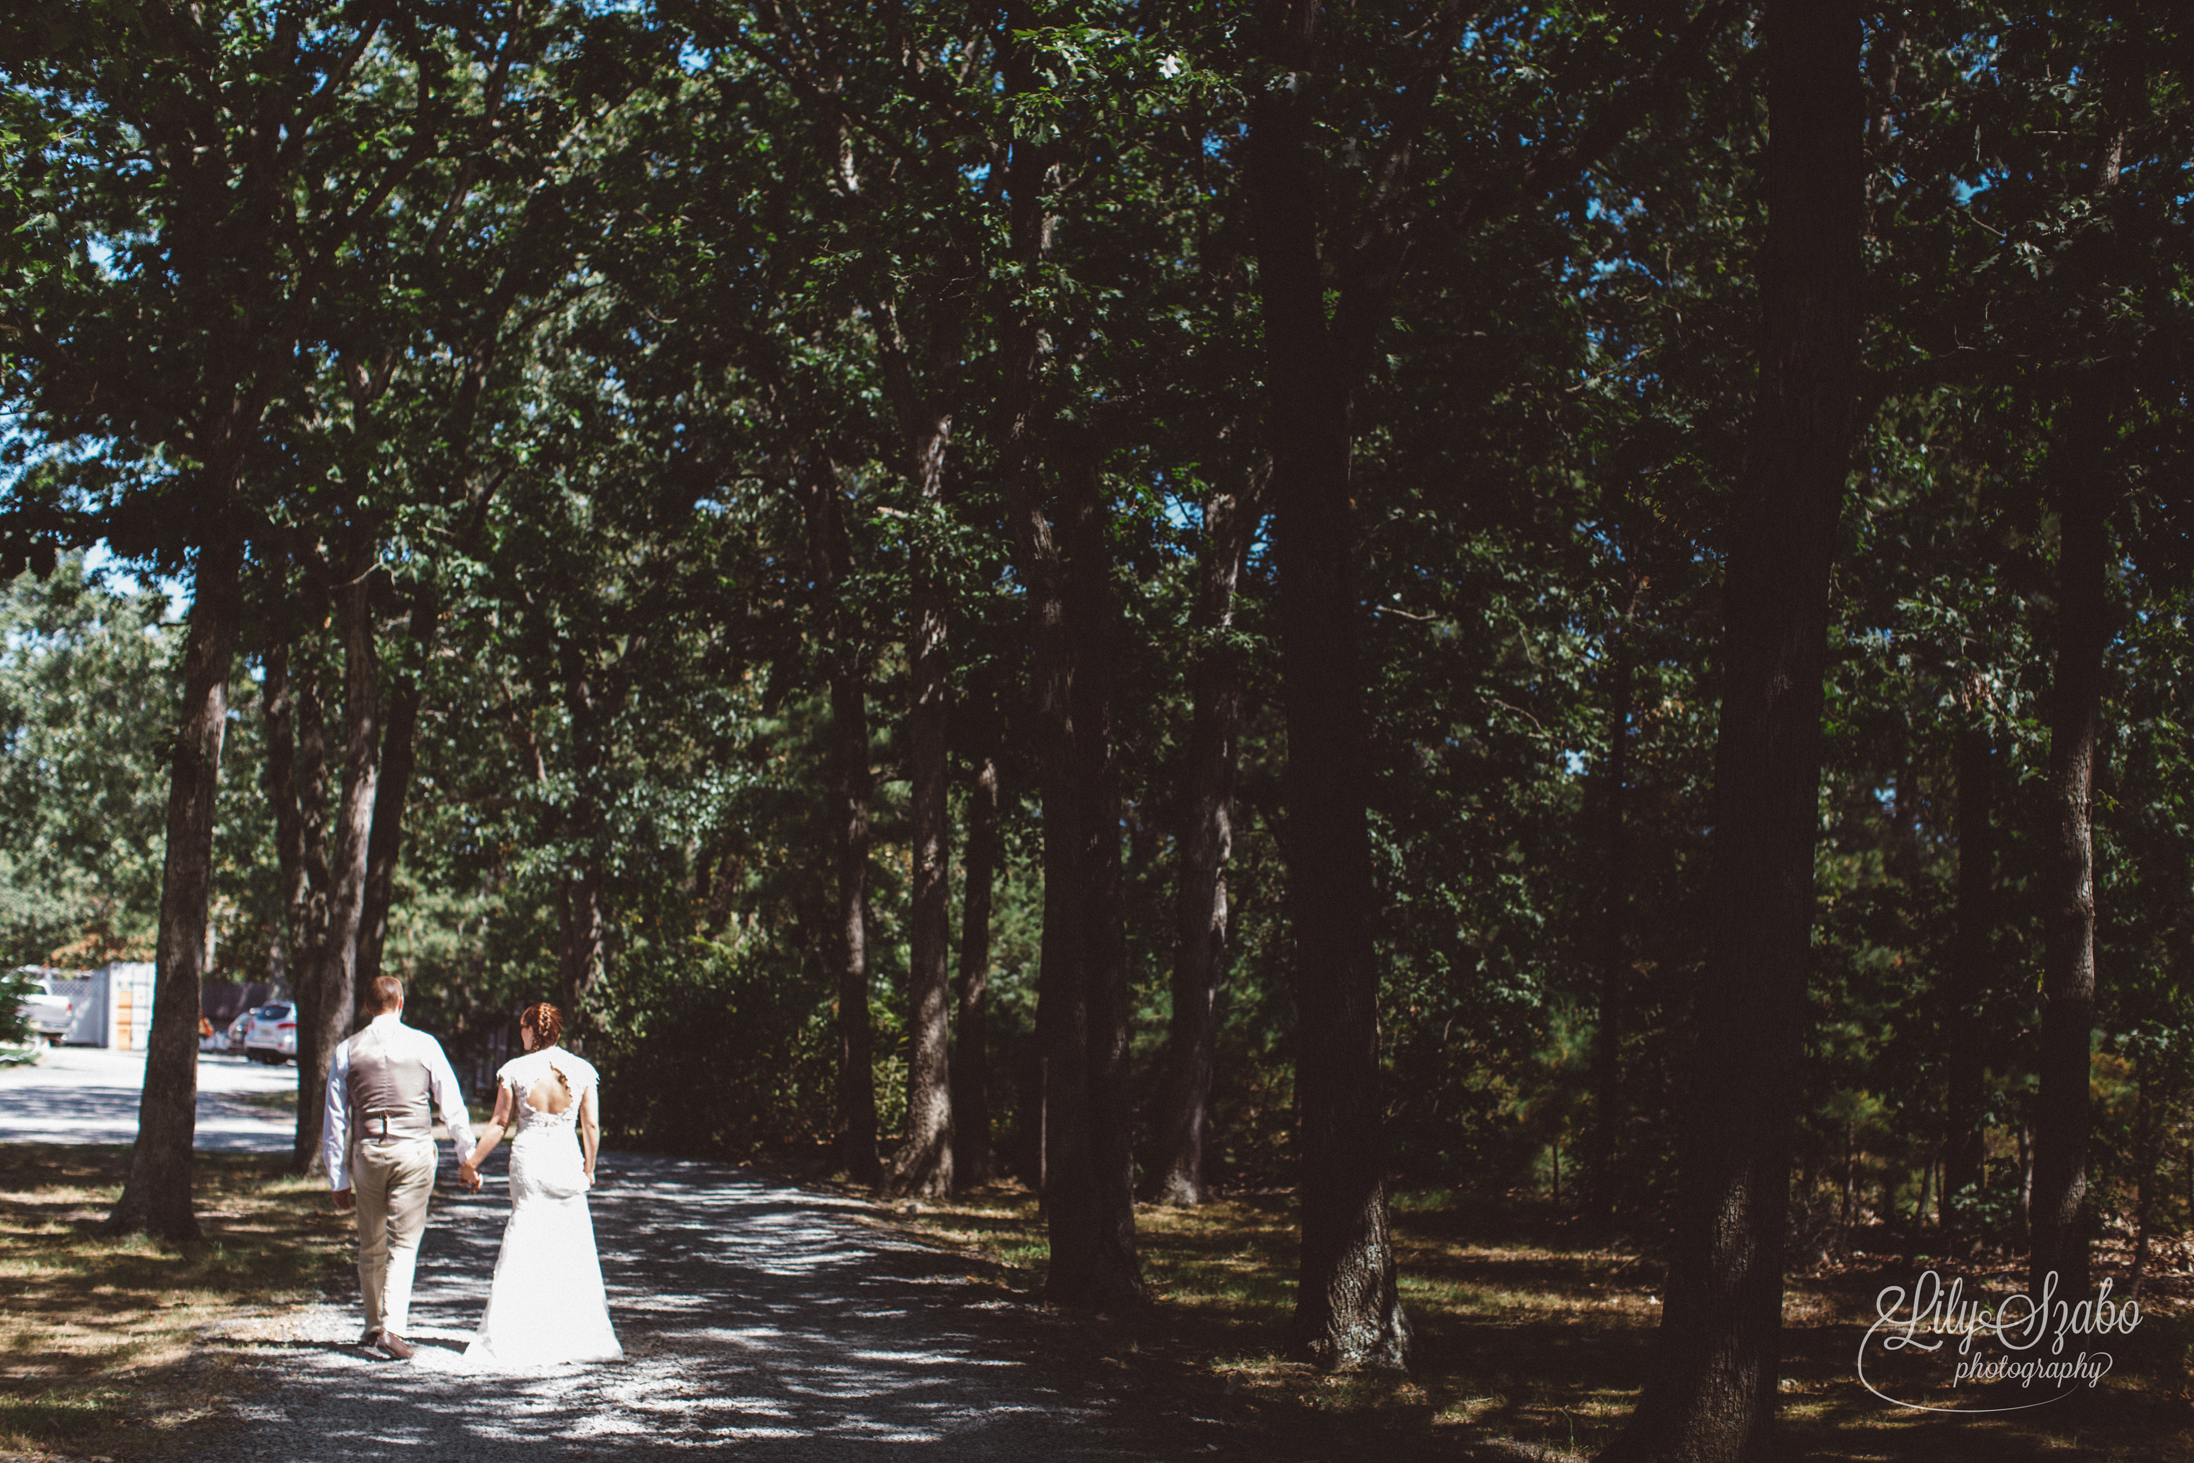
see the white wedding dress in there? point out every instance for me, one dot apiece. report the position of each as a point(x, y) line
point(547, 1306)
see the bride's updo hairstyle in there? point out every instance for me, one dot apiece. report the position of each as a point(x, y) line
point(545, 1020)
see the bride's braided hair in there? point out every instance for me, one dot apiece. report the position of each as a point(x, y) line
point(548, 1024)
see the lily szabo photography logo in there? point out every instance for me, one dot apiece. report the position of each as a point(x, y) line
point(1938, 1349)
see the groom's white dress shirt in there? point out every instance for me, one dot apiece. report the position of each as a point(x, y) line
point(444, 1093)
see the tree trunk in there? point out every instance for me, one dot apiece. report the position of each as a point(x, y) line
point(1093, 633)
point(297, 765)
point(831, 550)
point(2024, 1213)
point(1712, 1393)
point(399, 760)
point(156, 1199)
point(278, 727)
point(856, 1109)
point(1086, 1180)
point(296, 739)
point(580, 901)
point(971, 1139)
point(334, 978)
point(1916, 1233)
point(1849, 1213)
point(1180, 1174)
point(2149, 1107)
point(1969, 971)
point(2058, 1214)
point(1607, 1042)
point(923, 1166)
point(1348, 1310)
point(579, 892)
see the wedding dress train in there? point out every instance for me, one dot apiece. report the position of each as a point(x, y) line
point(547, 1306)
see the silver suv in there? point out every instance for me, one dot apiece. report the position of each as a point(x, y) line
point(271, 1034)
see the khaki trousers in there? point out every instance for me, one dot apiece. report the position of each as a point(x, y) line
point(391, 1178)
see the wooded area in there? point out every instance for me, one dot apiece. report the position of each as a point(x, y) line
point(1580, 602)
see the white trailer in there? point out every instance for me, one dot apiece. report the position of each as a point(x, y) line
point(113, 1004)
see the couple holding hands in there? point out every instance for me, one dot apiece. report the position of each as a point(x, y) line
point(546, 1306)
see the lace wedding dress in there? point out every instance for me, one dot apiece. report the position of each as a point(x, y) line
point(547, 1306)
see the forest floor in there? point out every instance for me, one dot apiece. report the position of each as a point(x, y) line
point(805, 1322)
point(101, 1339)
point(787, 1325)
point(1530, 1338)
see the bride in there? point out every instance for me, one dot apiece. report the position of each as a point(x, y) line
point(547, 1305)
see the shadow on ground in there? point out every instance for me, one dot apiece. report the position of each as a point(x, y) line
point(752, 1314)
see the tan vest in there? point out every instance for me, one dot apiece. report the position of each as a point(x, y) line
point(389, 1093)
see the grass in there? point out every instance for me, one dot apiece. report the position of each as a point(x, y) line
point(100, 1339)
point(1532, 1343)
point(281, 1100)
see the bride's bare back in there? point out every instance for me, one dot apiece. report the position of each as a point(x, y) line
point(551, 1094)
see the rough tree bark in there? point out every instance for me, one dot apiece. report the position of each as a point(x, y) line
point(1179, 1172)
point(971, 1140)
point(399, 761)
point(2058, 1212)
point(1712, 1392)
point(1614, 904)
point(297, 772)
point(1348, 1310)
point(156, 1198)
point(831, 550)
point(1092, 616)
point(923, 1164)
point(1965, 1057)
point(333, 1011)
point(1091, 1228)
point(296, 737)
point(2150, 1110)
point(579, 891)
point(1346, 1313)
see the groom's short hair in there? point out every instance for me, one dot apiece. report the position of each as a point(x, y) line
point(384, 995)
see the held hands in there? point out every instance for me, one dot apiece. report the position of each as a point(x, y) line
point(470, 1175)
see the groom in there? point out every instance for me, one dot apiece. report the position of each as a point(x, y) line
point(384, 1087)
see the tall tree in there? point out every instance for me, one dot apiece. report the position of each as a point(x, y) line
point(831, 551)
point(229, 158)
point(1348, 1309)
point(296, 754)
point(1088, 1198)
point(1179, 1171)
point(1965, 1054)
point(328, 990)
point(1614, 959)
point(971, 1136)
point(2059, 1208)
point(156, 1198)
point(1712, 1391)
point(1107, 1214)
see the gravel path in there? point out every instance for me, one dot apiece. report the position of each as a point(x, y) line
point(758, 1320)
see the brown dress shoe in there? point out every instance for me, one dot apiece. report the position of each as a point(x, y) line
point(371, 1339)
point(395, 1345)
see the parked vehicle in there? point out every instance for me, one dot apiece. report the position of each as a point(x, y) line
point(237, 1031)
point(47, 1014)
point(272, 1035)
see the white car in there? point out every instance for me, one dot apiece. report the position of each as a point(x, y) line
point(271, 1034)
point(47, 1014)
